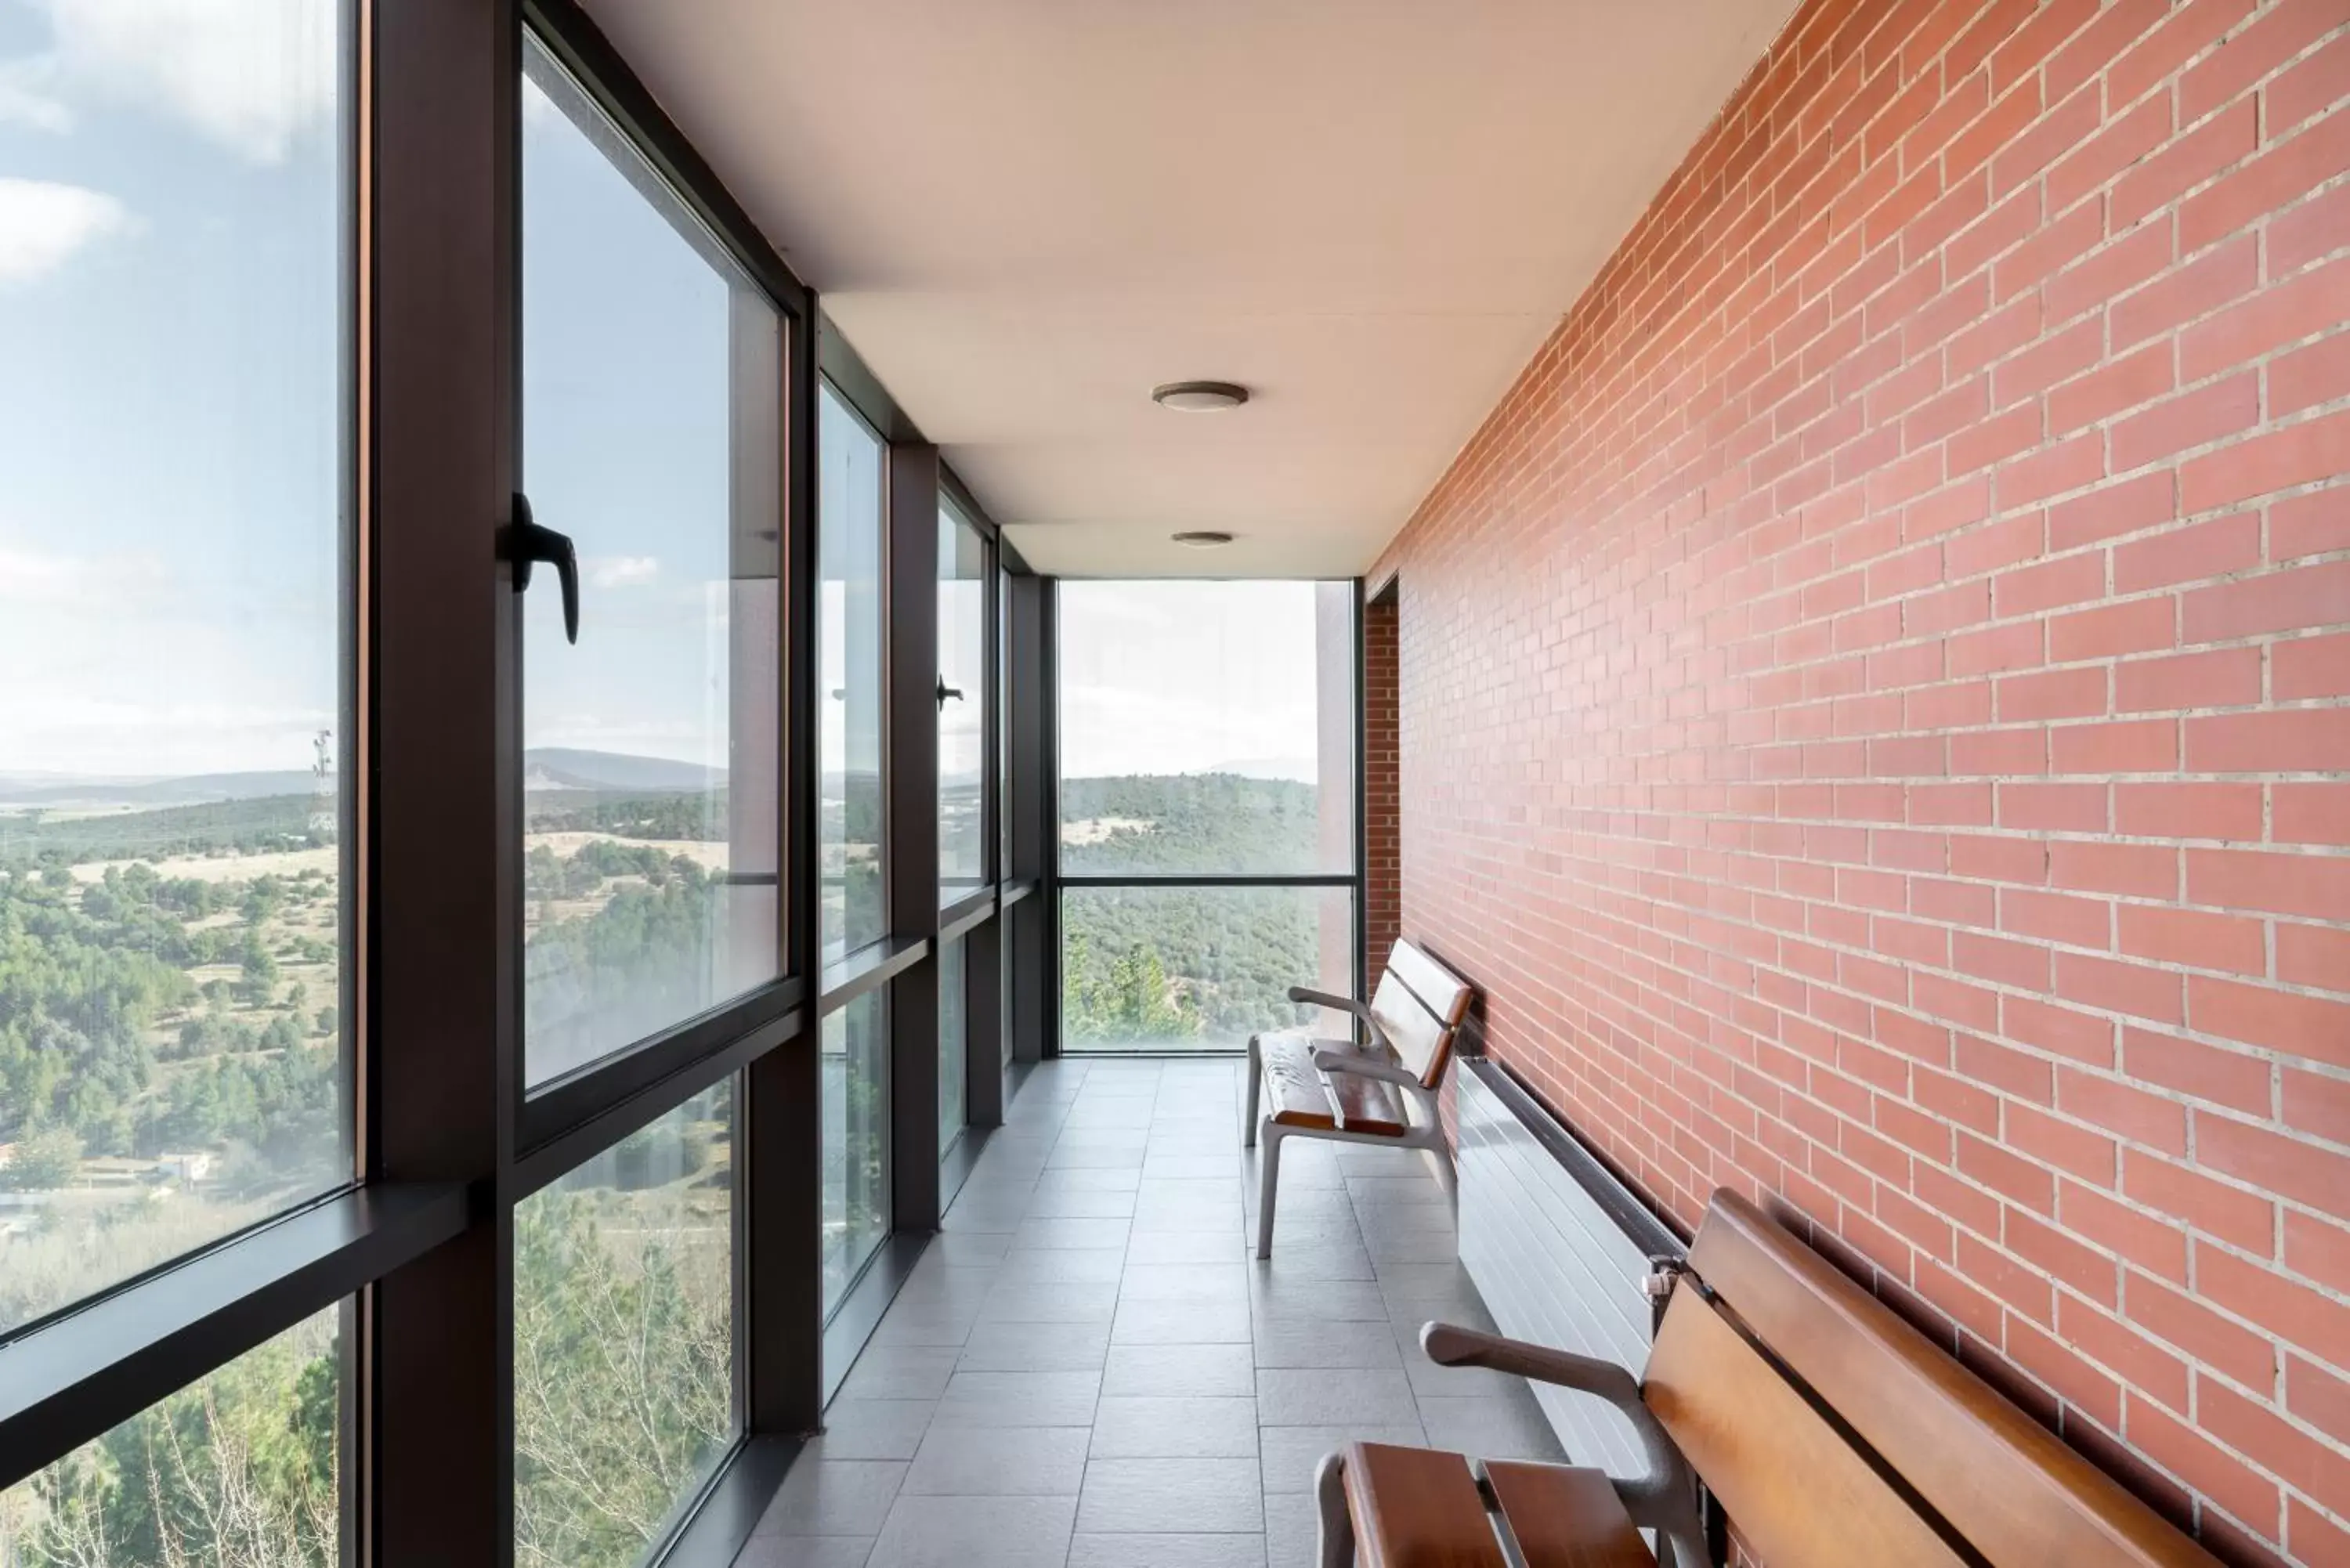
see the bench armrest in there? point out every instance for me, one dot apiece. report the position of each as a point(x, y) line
point(1365, 1067)
point(1664, 1496)
point(1329, 998)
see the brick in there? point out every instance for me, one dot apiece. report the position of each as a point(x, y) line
point(2289, 740)
point(2236, 1079)
point(2129, 746)
point(2220, 678)
point(2195, 1330)
point(2143, 991)
point(2077, 1150)
point(2057, 808)
point(2110, 388)
point(2283, 172)
point(2317, 1105)
point(2314, 956)
point(2218, 1209)
point(2191, 159)
point(2309, 667)
point(2192, 939)
point(2268, 1441)
point(2196, 553)
point(2132, 626)
point(2174, 297)
point(2263, 1015)
point(2316, 1250)
point(2188, 810)
point(2195, 418)
point(2314, 886)
point(2119, 1108)
point(2293, 455)
point(2290, 1167)
point(2306, 304)
point(2311, 524)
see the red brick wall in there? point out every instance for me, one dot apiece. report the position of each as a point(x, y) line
point(1874, 708)
point(1382, 854)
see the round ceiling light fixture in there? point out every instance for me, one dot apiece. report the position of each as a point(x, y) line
point(1202, 538)
point(1200, 397)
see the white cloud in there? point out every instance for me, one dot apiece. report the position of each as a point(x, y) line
point(622, 571)
point(42, 224)
point(41, 577)
point(253, 74)
point(28, 95)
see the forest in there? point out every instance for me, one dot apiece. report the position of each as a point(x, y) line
point(169, 986)
point(1200, 966)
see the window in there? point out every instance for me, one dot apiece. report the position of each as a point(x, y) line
point(1170, 969)
point(1207, 727)
point(653, 432)
point(624, 1339)
point(963, 708)
point(1207, 809)
point(241, 1467)
point(174, 716)
point(848, 618)
point(855, 1049)
point(955, 1035)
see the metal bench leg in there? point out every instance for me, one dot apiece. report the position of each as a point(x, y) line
point(1269, 1159)
point(1256, 1083)
point(1338, 1526)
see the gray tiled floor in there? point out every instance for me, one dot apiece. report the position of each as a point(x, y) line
point(1089, 1368)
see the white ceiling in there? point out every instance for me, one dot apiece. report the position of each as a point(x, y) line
point(1024, 214)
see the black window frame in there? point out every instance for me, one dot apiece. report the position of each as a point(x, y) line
point(448, 1139)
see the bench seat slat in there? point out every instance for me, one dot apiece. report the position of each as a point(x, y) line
point(1302, 1095)
point(1566, 1518)
point(1417, 1507)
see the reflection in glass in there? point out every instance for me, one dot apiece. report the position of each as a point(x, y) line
point(848, 674)
point(1207, 727)
point(652, 429)
point(855, 1064)
point(238, 1469)
point(1175, 969)
point(954, 1032)
point(624, 1339)
point(963, 708)
point(173, 355)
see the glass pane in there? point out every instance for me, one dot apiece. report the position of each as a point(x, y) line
point(240, 1468)
point(653, 409)
point(963, 709)
point(174, 366)
point(624, 1339)
point(848, 626)
point(854, 1047)
point(1207, 726)
point(1174, 969)
point(1005, 699)
point(954, 1032)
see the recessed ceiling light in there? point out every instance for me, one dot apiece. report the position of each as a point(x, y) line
point(1202, 538)
point(1200, 397)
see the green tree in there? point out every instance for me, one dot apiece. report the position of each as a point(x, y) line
point(43, 1161)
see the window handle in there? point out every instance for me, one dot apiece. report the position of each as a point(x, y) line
point(946, 692)
point(528, 543)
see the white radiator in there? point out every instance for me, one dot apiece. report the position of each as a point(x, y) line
point(1559, 1250)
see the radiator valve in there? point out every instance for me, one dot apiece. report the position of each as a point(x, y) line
point(1664, 1273)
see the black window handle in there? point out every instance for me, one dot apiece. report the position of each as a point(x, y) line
point(946, 692)
point(528, 543)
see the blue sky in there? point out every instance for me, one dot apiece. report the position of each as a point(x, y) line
point(170, 392)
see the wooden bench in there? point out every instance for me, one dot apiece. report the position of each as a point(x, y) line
point(1831, 1433)
point(1357, 1092)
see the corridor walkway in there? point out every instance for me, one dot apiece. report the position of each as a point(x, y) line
point(1087, 1366)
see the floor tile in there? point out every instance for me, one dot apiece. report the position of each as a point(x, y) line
point(805, 1552)
point(1166, 1552)
point(1150, 1426)
point(901, 1372)
point(1298, 1342)
point(1180, 1369)
point(1019, 1399)
point(1036, 1347)
point(871, 1429)
point(975, 1532)
point(833, 1497)
point(1293, 1397)
point(1091, 1303)
point(1293, 1531)
point(1185, 1283)
point(983, 1461)
point(1181, 1323)
point(1172, 1495)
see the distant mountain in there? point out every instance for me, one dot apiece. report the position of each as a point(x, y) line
point(561, 767)
point(1298, 770)
point(201, 789)
point(548, 768)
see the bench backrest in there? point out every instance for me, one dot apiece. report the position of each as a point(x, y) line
point(1419, 1006)
point(1970, 1465)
